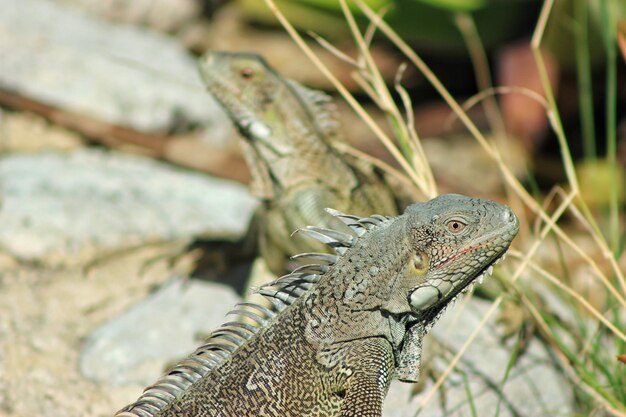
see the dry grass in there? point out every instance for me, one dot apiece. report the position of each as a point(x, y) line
point(592, 369)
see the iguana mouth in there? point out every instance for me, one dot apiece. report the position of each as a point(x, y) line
point(431, 314)
point(456, 256)
point(480, 277)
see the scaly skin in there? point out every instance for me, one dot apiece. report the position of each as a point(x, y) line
point(342, 327)
point(287, 134)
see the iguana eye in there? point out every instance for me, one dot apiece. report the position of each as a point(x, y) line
point(456, 226)
point(246, 73)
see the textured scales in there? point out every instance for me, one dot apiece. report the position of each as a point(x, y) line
point(288, 135)
point(340, 328)
point(286, 127)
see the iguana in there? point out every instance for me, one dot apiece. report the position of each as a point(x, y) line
point(288, 137)
point(340, 328)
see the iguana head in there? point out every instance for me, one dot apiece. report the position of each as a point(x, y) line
point(411, 267)
point(246, 87)
point(415, 264)
point(279, 120)
point(455, 241)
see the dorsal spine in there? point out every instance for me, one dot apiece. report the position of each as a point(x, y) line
point(224, 341)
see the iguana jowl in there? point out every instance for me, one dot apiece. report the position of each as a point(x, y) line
point(288, 133)
point(341, 327)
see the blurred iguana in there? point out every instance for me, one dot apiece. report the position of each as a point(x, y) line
point(289, 141)
point(339, 329)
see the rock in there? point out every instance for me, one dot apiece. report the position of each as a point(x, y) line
point(133, 348)
point(164, 15)
point(26, 132)
point(126, 76)
point(45, 316)
point(533, 387)
point(193, 151)
point(64, 209)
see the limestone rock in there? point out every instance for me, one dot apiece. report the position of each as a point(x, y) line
point(133, 348)
point(164, 15)
point(123, 75)
point(63, 209)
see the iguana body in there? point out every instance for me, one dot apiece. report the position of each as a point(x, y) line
point(288, 133)
point(340, 328)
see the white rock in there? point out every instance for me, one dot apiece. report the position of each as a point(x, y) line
point(62, 209)
point(533, 388)
point(165, 15)
point(134, 347)
point(128, 76)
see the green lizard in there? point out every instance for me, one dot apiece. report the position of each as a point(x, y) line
point(288, 135)
point(340, 328)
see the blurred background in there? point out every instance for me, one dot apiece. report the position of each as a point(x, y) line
point(125, 208)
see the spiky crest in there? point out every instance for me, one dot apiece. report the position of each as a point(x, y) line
point(323, 110)
point(225, 340)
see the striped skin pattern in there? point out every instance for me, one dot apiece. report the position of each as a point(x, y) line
point(341, 327)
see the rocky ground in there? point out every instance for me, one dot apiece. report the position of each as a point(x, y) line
point(96, 297)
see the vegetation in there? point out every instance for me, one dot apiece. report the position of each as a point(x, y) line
point(588, 331)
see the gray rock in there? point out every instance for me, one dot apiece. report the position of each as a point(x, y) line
point(163, 15)
point(63, 209)
point(127, 76)
point(533, 388)
point(134, 347)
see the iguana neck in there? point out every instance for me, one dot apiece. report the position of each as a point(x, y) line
point(366, 304)
point(293, 153)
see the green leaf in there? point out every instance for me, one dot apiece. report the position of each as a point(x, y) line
point(456, 5)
